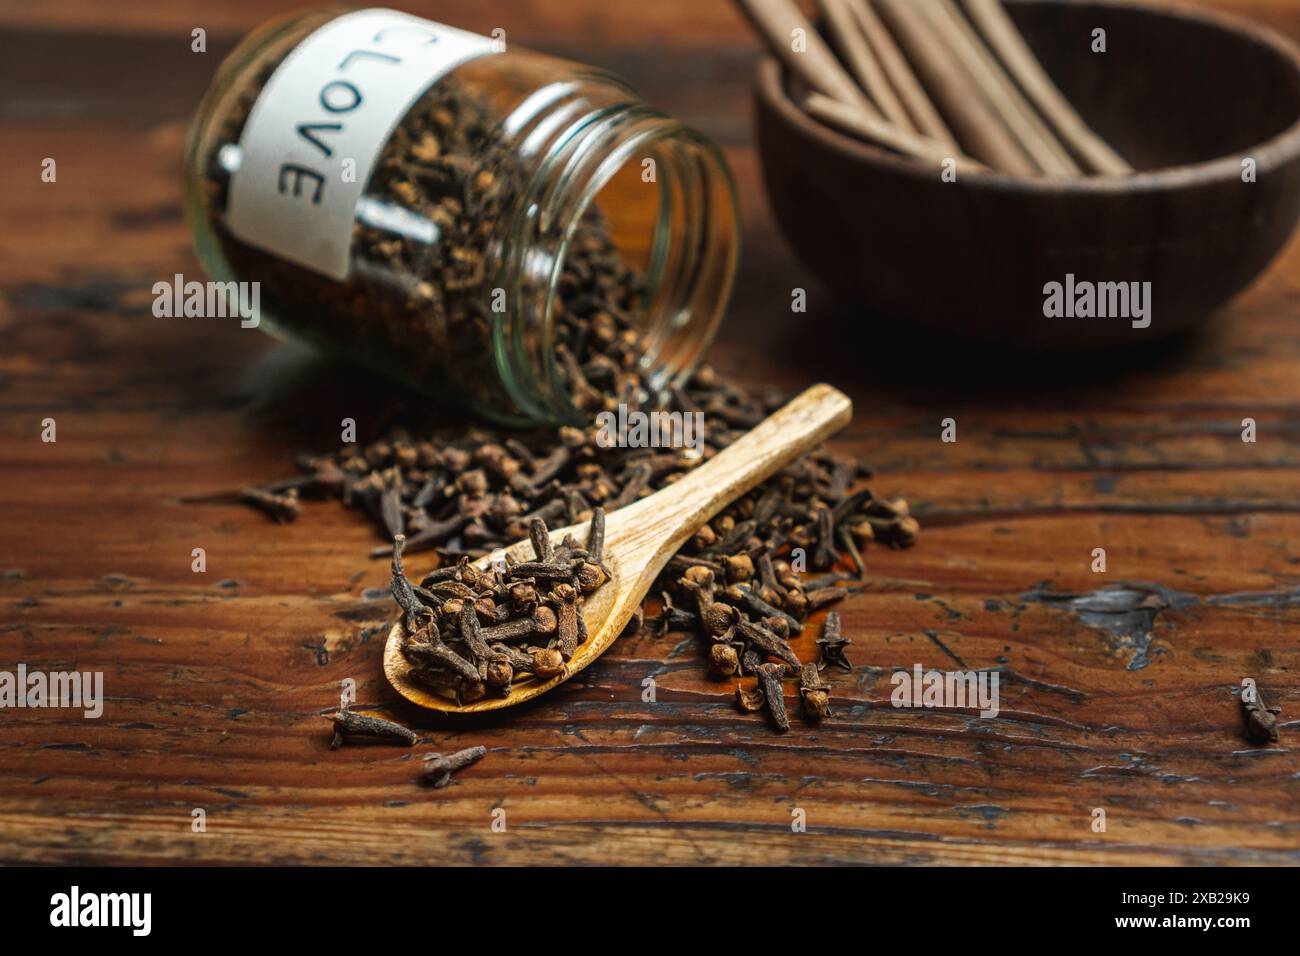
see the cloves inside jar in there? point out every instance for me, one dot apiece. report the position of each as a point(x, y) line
point(515, 232)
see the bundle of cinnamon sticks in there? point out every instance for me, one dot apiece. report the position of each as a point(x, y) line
point(934, 80)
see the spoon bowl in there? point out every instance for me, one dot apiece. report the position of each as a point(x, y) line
point(642, 537)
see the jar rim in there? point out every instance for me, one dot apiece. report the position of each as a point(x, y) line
point(695, 241)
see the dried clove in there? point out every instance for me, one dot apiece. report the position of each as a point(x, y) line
point(814, 693)
point(281, 505)
point(1261, 720)
point(349, 723)
point(769, 676)
point(438, 768)
point(750, 699)
point(830, 646)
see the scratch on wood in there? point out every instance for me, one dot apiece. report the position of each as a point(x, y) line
point(934, 637)
point(366, 610)
point(991, 812)
point(1010, 676)
point(1125, 612)
point(94, 294)
point(1257, 599)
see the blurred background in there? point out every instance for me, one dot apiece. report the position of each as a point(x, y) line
point(160, 419)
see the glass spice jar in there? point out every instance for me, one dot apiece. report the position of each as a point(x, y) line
point(517, 232)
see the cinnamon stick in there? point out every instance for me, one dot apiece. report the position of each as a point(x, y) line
point(816, 65)
point(1001, 33)
point(978, 127)
point(1015, 112)
point(885, 134)
point(844, 27)
point(925, 118)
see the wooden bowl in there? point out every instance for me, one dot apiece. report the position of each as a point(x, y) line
point(1184, 95)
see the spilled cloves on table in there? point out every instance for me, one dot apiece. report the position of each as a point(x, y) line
point(465, 492)
point(737, 583)
point(418, 309)
point(348, 723)
point(438, 768)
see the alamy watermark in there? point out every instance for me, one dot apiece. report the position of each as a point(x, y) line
point(208, 300)
point(78, 690)
point(74, 908)
point(947, 689)
point(1080, 299)
point(638, 429)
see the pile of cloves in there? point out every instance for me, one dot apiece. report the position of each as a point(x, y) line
point(466, 492)
point(746, 611)
point(470, 632)
point(746, 581)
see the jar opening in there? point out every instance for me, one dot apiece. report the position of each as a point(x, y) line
point(663, 198)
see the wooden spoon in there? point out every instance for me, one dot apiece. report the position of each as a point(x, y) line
point(641, 538)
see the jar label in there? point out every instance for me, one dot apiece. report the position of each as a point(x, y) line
point(317, 128)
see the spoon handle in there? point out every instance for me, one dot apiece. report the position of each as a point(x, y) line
point(683, 507)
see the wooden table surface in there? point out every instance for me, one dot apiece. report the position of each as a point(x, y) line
point(214, 681)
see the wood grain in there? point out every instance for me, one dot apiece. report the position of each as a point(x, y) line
point(214, 681)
